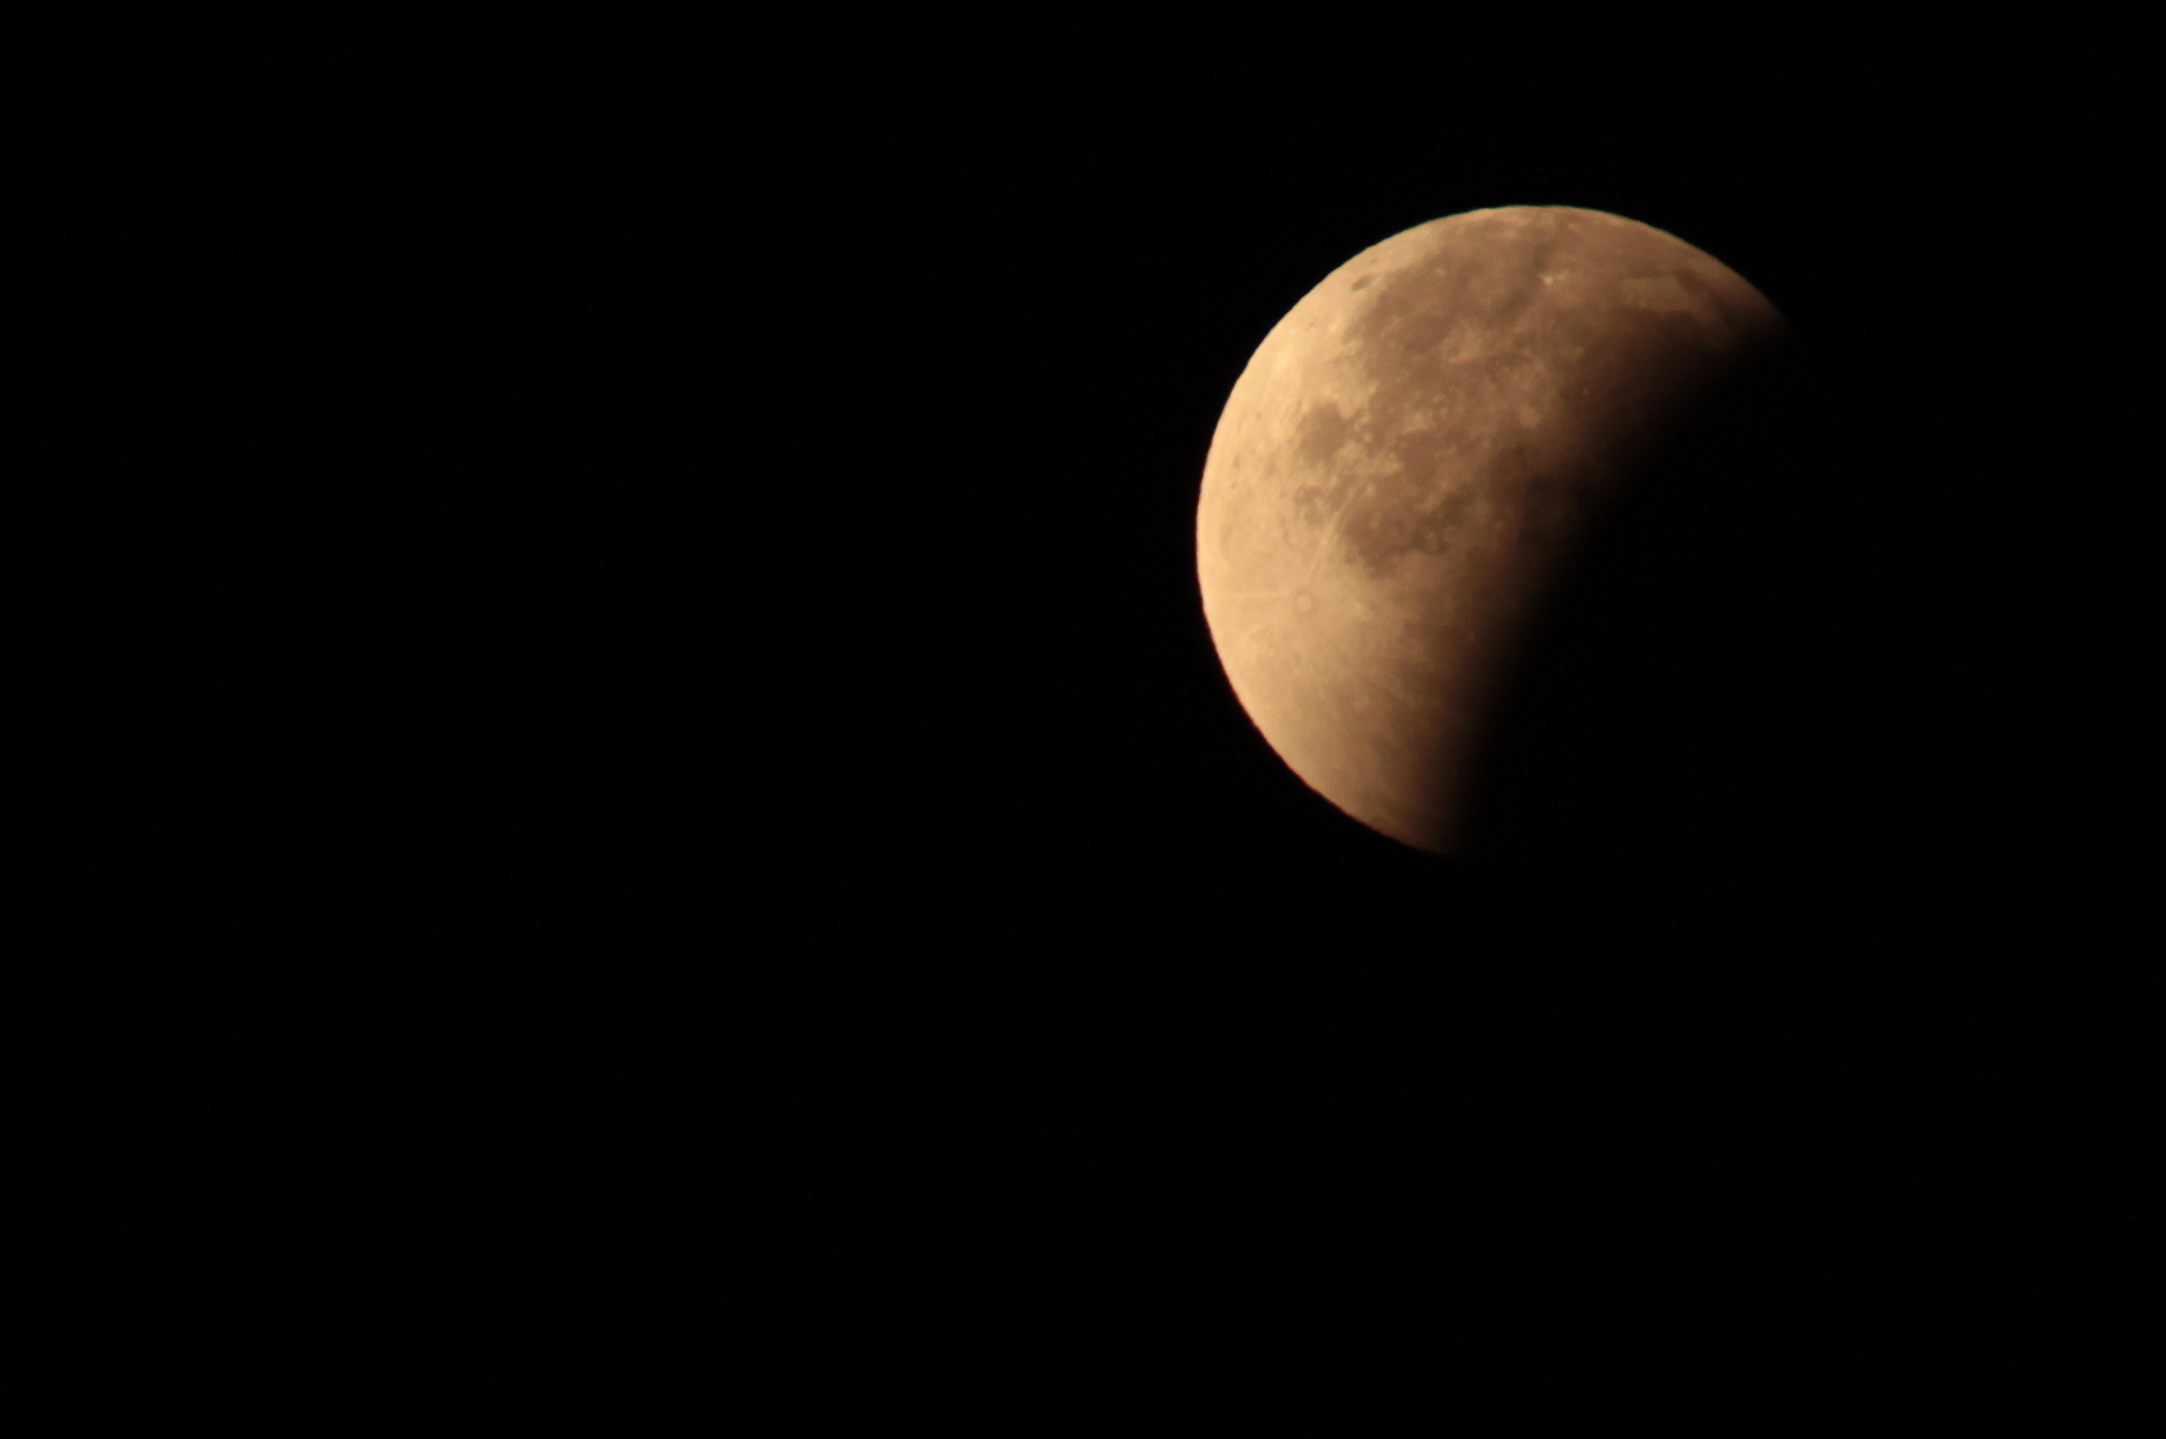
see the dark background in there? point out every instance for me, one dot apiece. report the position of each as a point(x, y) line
point(648, 661)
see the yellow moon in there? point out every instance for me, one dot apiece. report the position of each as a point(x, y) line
point(1405, 463)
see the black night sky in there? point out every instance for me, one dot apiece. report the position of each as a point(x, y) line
point(691, 729)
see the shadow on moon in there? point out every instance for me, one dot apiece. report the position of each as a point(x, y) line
point(1692, 685)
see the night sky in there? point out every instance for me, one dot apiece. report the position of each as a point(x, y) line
point(688, 696)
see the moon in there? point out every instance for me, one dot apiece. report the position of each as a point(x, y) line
point(1405, 468)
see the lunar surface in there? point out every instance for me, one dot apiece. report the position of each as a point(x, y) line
point(1406, 463)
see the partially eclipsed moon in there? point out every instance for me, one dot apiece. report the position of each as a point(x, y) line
point(1404, 465)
